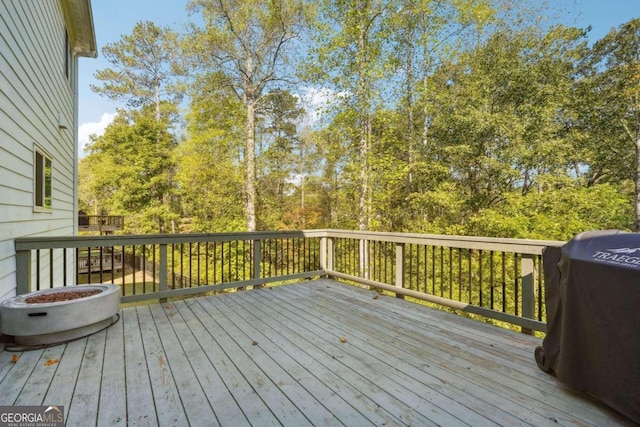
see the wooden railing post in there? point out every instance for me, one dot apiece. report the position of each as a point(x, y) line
point(323, 254)
point(399, 282)
point(364, 258)
point(164, 270)
point(23, 272)
point(331, 254)
point(528, 289)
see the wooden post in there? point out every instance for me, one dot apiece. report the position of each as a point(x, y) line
point(23, 272)
point(364, 258)
point(331, 254)
point(399, 268)
point(528, 289)
point(323, 254)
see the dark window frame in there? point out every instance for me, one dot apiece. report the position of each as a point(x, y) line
point(43, 181)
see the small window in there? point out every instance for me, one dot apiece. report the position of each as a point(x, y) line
point(69, 62)
point(42, 181)
point(68, 58)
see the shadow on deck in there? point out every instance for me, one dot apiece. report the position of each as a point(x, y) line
point(314, 353)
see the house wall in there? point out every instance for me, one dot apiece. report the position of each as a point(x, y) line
point(35, 95)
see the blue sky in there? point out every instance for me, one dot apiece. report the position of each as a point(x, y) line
point(113, 18)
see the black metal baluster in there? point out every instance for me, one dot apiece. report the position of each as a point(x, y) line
point(491, 277)
point(480, 275)
point(134, 269)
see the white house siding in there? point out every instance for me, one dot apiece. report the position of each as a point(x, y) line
point(34, 94)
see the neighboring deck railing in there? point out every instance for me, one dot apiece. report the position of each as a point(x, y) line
point(102, 223)
point(99, 260)
point(497, 278)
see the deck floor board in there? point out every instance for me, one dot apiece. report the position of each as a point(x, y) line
point(295, 363)
point(192, 396)
point(280, 375)
point(244, 395)
point(86, 395)
point(458, 392)
point(112, 409)
point(227, 412)
point(141, 403)
point(65, 379)
point(366, 360)
point(36, 387)
point(476, 353)
point(313, 353)
point(166, 397)
point(322, 365)
point(249, 361)
point(463, 366)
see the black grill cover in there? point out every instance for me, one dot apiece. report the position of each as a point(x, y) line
point(593, 317)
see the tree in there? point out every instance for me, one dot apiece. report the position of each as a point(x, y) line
point(500, 118)
point(349, 55)
point(209, 171)
point(147, 65)
point(337, 188)
point(132, 170)
point(277, 162)
point(307, 165)
point(249, 42)
point(422, 34)
point(612, 118)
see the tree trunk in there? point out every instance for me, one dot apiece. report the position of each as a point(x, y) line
point(409, 101)
point(301, 171)
point(157, 103)
point(365, 119)
point(425, 124)
point(250, 159)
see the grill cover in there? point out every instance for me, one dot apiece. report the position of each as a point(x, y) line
point(593, 317)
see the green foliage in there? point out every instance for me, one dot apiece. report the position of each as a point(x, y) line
point(278, 143)
point(454, 116)
point(209, 170)
point(247, 45)
point(147, 64)
point(610, 117)
point(557, 214)
point(130, 169)
point(498, 122)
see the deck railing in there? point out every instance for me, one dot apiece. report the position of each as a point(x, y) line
point(103, 223)
point(101, 259)
point(497, 278)
point(500, 279)
point(169, 265)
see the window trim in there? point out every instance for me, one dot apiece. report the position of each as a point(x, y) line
point(42, 180)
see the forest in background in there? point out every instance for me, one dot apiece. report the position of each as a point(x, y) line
point(467, 117)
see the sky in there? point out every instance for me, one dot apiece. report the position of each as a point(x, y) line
point(114, 18)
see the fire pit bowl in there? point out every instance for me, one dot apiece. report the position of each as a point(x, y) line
point(60, 314)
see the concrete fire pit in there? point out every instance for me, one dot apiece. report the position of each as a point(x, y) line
point(60, 314)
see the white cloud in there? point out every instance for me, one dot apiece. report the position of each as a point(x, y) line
point(92, 128)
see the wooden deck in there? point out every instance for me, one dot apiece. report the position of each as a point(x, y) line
point(314, 353)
